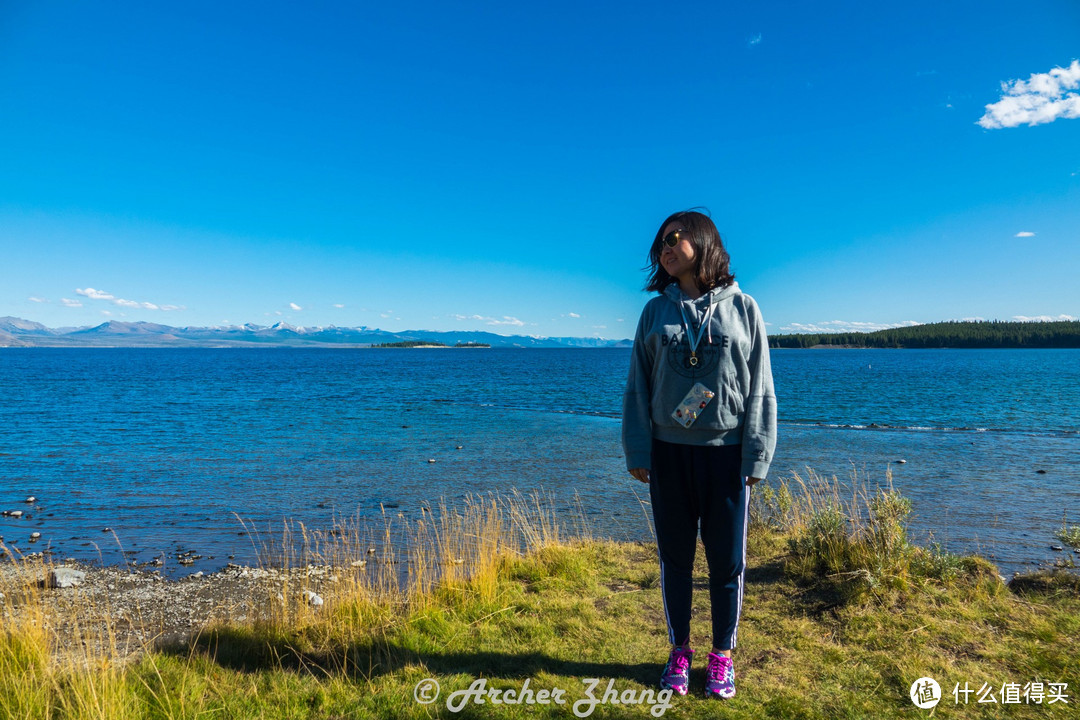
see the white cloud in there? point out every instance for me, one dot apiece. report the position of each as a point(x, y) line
point(338, 305)
point(37, 299)
point(573, 315)
point(599, 327)
point(620, 320)
point(754, 40)
point(506, 320)
point(1025, 233)
point(1042, 98)
point(294, 306)
point(840, 326)
point(386, 314)
point(1044, 318)
point(70, 303)
point(102, 295)
point(94, 294)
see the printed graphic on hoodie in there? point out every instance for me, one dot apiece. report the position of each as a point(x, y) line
point(708, 355)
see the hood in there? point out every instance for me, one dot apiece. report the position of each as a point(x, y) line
point(675, 294)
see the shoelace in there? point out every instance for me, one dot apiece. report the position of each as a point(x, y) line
point(717, 670)
point(677, 665)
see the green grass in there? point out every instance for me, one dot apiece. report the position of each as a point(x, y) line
point(841, 615)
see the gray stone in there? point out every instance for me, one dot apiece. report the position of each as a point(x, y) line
point(65, 577)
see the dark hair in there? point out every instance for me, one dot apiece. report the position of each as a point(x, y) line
point(712, 269)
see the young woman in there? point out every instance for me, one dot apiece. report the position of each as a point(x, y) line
point(699, 426)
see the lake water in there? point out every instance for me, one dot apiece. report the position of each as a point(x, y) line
point(171, 448)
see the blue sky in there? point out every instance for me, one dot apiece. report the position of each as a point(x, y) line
point(502, 166)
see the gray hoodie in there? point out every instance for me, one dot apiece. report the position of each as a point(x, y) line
point(733, 362)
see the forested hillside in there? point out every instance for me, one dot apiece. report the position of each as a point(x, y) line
point(986, 334)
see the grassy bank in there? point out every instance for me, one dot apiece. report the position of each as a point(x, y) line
point(841, 615)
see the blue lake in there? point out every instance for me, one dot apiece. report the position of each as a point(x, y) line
point(172, 448)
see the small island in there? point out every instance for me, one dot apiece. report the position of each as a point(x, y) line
point(412, 344)
point(982, 334)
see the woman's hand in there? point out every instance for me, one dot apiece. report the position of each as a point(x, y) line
point(750, 481)
point(641, 474)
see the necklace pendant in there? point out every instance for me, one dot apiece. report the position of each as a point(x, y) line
point(693, 359)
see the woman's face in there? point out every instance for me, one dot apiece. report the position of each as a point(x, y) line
point(678, 261)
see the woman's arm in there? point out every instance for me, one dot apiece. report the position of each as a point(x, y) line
point(637, 422)
point(759, 423)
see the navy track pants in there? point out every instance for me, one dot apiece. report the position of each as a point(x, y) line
point(691, 484)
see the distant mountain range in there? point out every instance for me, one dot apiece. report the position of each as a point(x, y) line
point(15, 332)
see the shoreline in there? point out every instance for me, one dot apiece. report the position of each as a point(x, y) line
point(137, 609)
point(127, 611)
point(555, 609)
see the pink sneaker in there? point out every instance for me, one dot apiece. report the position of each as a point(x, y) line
point(720, 677)
point(676, 675)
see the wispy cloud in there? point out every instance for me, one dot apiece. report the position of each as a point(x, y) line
point(1044, 318)
point(294, 306)
point(338, 306)
point(37, 299)
point(572, 315)
point(102, 295)
point(94, 294)
point(839, 326)
point(68, 302)
point(754, 40)
point(1025, 233)
point(1042, 98)
point(505, 320)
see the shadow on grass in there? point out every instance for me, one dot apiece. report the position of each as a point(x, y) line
point(252, 650)
point(249, 651)
point(812, 600)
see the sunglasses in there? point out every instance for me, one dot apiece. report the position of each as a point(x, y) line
point(672, 238)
